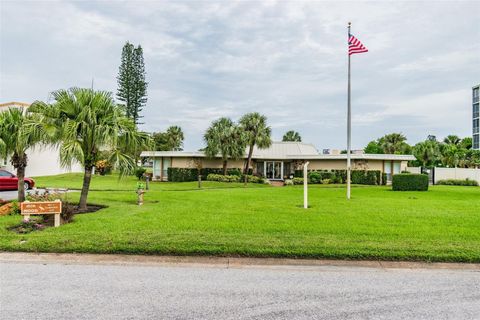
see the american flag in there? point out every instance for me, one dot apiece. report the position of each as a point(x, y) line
point(355, 46)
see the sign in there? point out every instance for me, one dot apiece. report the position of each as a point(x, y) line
point(51, 207)
point(47, 207)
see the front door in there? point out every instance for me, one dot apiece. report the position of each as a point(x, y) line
point(274, 170)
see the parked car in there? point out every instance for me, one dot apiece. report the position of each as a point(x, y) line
point(9, 181)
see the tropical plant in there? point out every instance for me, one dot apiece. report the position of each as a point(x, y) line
point(89, 126)
point(393, 143)
point(19, 131)
point(292, 136)
point(132, 87)
point(452, 139)
point(226, 139)
point(175, 138)
point(373, 147)
point(427, 152)
point(257, 133)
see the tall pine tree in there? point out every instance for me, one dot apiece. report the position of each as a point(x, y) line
point(132, 87)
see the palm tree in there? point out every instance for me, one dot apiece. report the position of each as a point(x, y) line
point(226, 139)
point(393, 143)
point(452, 140)
point(292, 136)
point(175, 138)
point(89, 126)
point(19, 131)
point(426, 152)
point(257, 133)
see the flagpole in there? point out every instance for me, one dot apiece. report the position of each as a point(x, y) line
point(349, 126)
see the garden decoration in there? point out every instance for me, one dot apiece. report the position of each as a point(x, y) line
point(140, 193)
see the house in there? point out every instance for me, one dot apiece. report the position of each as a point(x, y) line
point(42, 160)
point(279, 161)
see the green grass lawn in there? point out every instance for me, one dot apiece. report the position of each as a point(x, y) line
point(442, 224)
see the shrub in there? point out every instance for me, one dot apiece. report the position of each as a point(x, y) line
point(289, 182)
point(139, 172)
point(410, 182)
point(191, 174)
point(326, 181)
point(297, 180)
point(253, 179)
point(384, 178)
point(457, 182)
point(222, 178)
point(103, 167)
point(314, 177)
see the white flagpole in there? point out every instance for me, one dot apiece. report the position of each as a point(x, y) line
point(349, 126)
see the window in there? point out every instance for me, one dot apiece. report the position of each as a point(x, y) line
point(5, 173)
point(476, 125)
point(475, 110)
point(475, 95)
point(476, 141)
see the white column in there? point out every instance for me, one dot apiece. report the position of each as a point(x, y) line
point(305, 185)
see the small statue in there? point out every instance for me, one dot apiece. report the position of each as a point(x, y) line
point(140, 192)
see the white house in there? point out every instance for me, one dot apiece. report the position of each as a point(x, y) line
point(42, 160)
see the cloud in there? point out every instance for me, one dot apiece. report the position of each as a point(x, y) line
point(285, 59)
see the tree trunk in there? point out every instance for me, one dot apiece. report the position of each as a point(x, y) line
point(249, 159)
point(21, 183)
point(87, 177)
point(224, 167)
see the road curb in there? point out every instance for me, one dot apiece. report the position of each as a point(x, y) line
point(222, 262)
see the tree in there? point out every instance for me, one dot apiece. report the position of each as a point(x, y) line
point(393, 143)
point(257, 133)
point(427, 153)
point(292, 136)
point(452, 140)
point(132, 87)
point(373, 147)
point(89, 126)
point(170, 140)
point(175, 138)
point(19, 131)
point(224, 138)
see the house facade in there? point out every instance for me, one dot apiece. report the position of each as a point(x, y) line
point(278, 162)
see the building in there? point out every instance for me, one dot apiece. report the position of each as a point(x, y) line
point(476, 117)
point(279, 161)
point(42, 160)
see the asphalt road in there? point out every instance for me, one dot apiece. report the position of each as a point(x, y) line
point(54, 290)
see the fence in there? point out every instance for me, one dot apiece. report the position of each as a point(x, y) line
point(456, 173)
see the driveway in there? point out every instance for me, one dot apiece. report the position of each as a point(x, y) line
point(81, 290)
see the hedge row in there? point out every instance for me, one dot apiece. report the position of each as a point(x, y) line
point(234, 178)
point(456, 182)
point(191, 174)
point(410, 182)
point(368, 177)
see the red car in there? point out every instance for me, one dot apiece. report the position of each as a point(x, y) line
point(9, 181)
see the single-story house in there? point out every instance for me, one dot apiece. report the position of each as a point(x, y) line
point(279, 161)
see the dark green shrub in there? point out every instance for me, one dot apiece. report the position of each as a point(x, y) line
point(410, 182)
point(182, 174)
point(139, 172)
point(253, 179)
point(298, 174)
point(384, 179)
point(457, 182)
point(297, 180)
point(314, 177)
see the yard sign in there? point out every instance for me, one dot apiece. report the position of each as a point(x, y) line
point(45, 207)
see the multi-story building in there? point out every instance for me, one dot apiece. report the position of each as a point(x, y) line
point(476, 117)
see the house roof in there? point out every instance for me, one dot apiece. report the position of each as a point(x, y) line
point(284, 151)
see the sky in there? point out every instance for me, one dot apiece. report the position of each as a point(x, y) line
point(287, 60)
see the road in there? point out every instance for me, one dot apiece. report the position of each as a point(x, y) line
point(56, 290)
point(12, 195)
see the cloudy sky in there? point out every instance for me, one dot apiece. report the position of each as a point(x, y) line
point(287, 60)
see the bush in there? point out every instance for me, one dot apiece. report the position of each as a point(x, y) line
point(253, 179)
point(297, 180)
point(314, 177)
point(384, 179)
point(326, 181)
point(103, 167)
point(191, 174)
point(289, 182)
point(222, 178)
point(410, 182)
point(457, 182)
point(139, 172)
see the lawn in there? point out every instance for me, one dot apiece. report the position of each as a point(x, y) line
point(228, 220)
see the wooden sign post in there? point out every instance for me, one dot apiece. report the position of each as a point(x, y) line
point(47, 207)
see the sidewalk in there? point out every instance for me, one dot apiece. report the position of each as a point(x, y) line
point(222, 262)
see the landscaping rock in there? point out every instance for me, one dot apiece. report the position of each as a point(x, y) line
point(6, 209)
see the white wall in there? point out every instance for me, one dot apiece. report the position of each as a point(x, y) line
point(42, 162)
point(457, 173)
point(414, 169)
